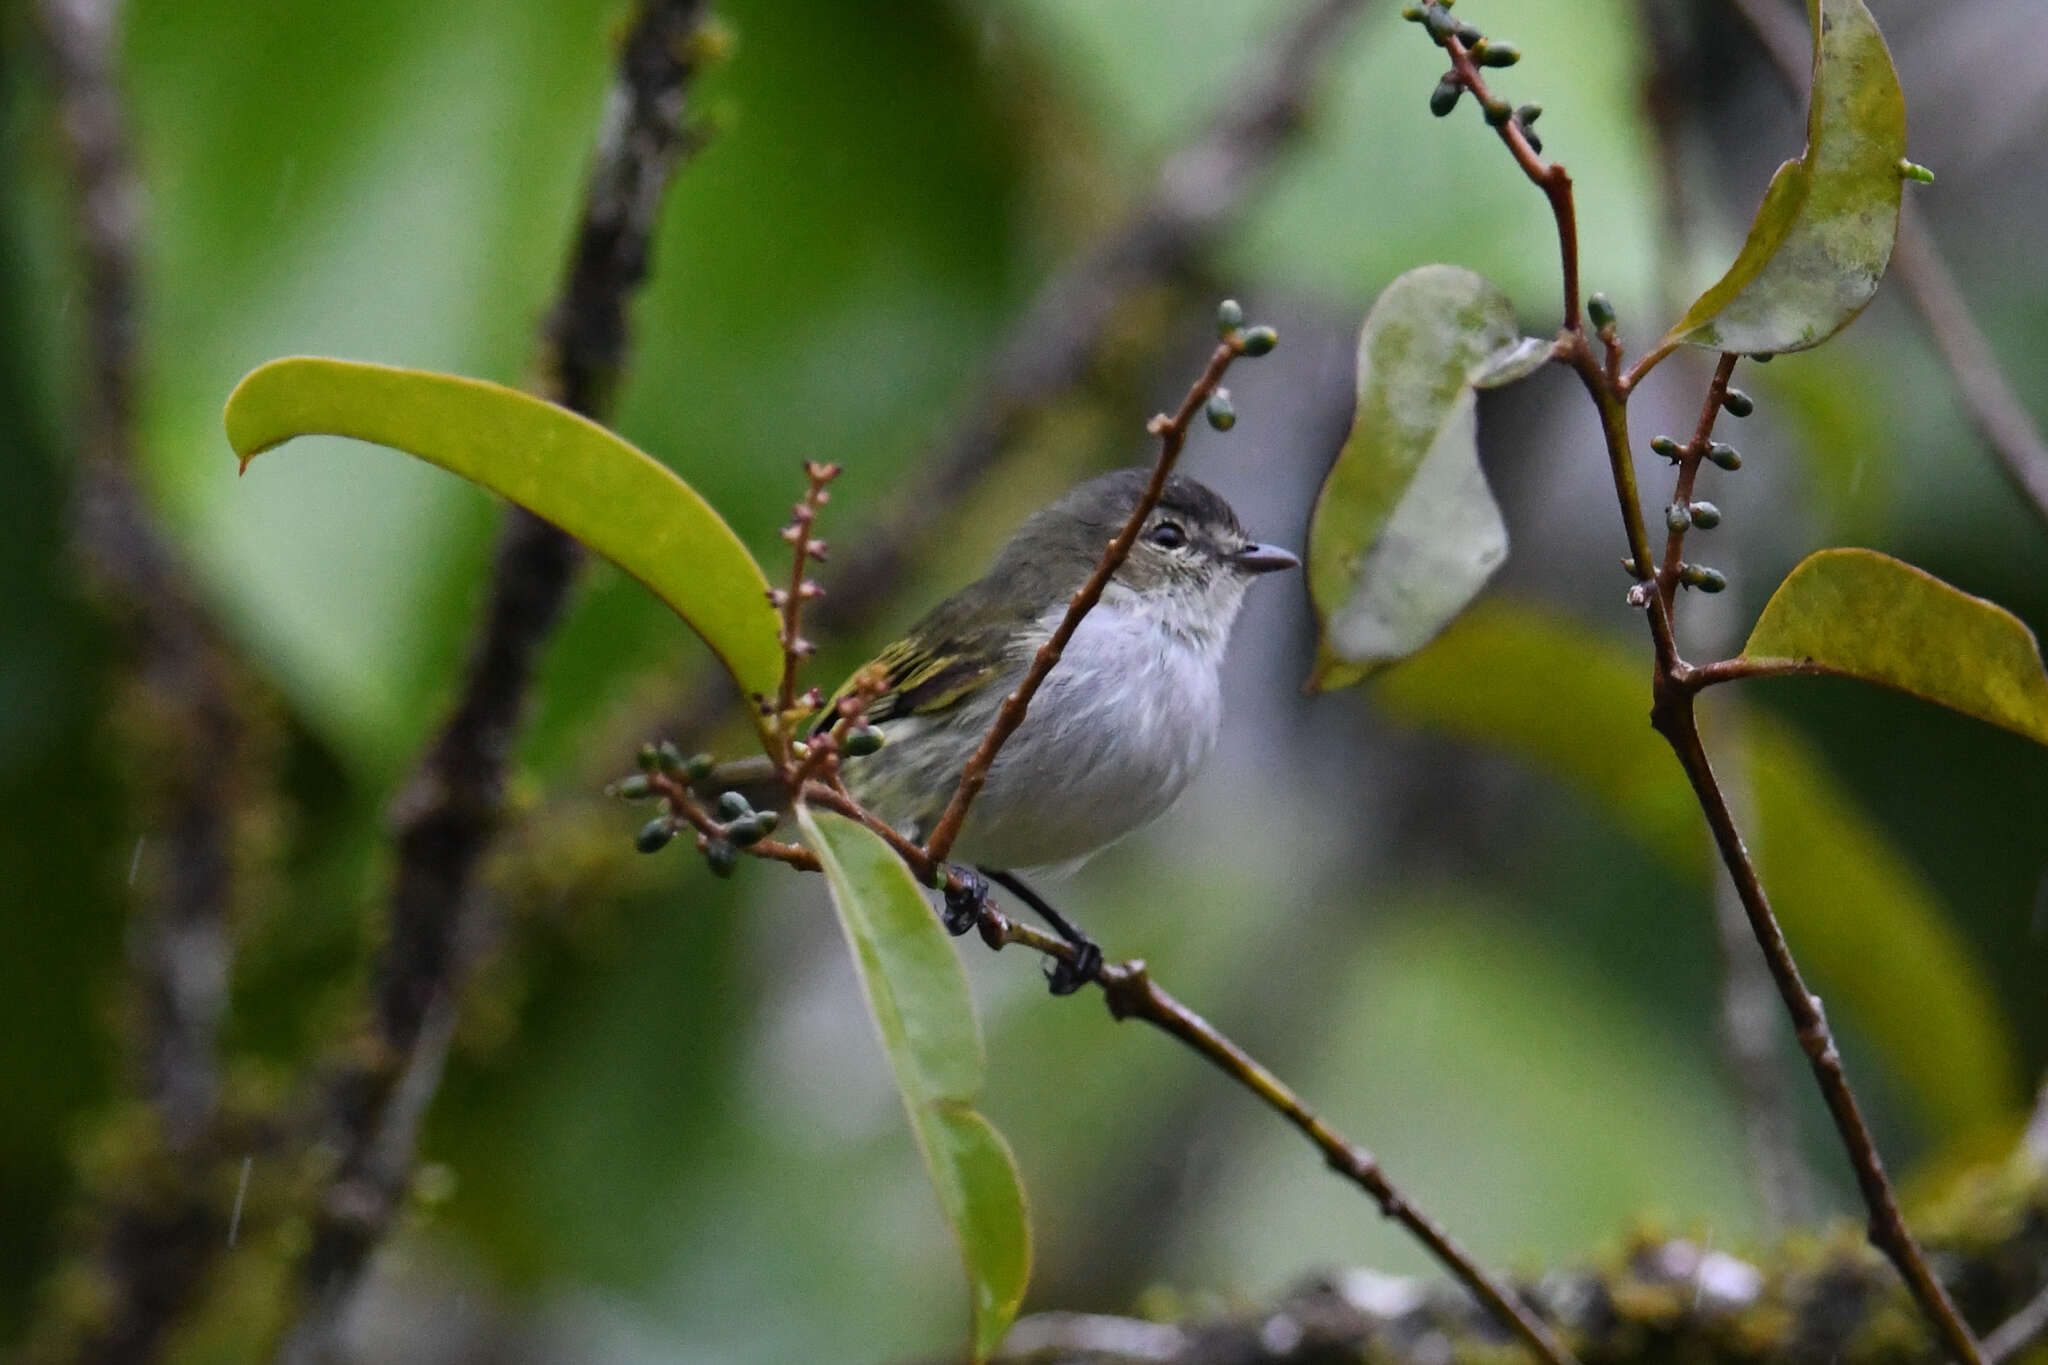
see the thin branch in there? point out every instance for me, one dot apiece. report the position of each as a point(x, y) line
point(1690, 456)
point(2019, 1331)
point(1173, 434)
point(2002, 422)
point(153, 1252)
point(1674, 686)
point(452, 806)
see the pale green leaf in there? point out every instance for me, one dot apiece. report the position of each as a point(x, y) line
point(1866, 615)
point(1823, 236)
point(561, 467)
point(1867, 928)
point(917, 995)
point(1406, 531)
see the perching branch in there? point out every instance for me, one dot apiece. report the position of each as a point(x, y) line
point(2001, 420)
point(151, 1254)
point(453, 804)
point(1673, 689)
point(1127, 986)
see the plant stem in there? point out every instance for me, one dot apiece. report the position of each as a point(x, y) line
point(1674, 685)
point(1672, 714)
point(1689, 458)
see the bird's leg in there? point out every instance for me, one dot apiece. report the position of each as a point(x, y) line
point(1064, 978)
point(964, 906)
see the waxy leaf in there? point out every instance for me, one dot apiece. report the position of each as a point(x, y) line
point(917, 994)
point(1406, 531)
point(561, 467)
point(1869, 931)
point(1866, 615)
point(1823, 236)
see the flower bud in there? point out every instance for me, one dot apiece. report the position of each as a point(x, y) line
point(1738, 403)
point(655, 834)
point(634, 788)
point(1701, 577)
point(697, 767)
point(1913, 170)
point(748, 832)
point(1705, 515)
point(1487, 52)
point(1664, 446)
point(1260, 341)
point(668, 758)
point(1725, 455)
point(1600, 309)
point(862, 740)
point(1528, 113)
point(1229, 317)
point(1499, 111)
point(1219, 411)
point(1678, 516)
point(1444, 98)
point(648, 758)
point(721, 857)
point(733, 806)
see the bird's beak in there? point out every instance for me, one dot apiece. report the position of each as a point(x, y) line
point(1264, 559)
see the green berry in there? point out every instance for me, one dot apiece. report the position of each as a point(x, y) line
point(1260, 341)
point(1664, 446)
point(1229, 317)
point(1528, 113)
point(698, 767)
point(655, 834)
point(1600, 309)
point(1724, 455)
point(634, 788)
point(1498, 112)
point(668, 758)
point(1489, 53)
point(1677, 516)
point(1701, 577)
point(1439, 22)
point(649, 759)
point(733, 806)
point(721, 857)
point(1412, 13)
point(862, 740)
point(1705, 515)
point(746, 833)
point(1738, 403)
point(1219, 411)
point(1444, 98)
point(1469, 35)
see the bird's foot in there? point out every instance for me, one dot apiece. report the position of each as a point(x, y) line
point(1064, 978)
point(964, 904)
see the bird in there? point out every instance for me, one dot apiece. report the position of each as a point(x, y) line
point(1118, 728)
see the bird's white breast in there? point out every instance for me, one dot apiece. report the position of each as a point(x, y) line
point(1112, 738)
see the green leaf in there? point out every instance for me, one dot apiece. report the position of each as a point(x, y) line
point(1867, 928)
point(917, 995)
point(1866, 615)
point(1823, 236)
point(557, 465)
point(1406, 531)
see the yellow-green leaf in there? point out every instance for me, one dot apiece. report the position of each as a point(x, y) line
point(1866, 615)
point(561, 467)
point(1823, 236)
point(1868, 929)
point(917, 995)
point(1406, 531)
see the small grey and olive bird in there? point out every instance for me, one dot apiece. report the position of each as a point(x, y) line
point(1115, 732)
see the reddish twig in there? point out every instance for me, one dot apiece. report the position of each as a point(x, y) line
point(1173, 434)
point(1690, 456)
point(1674, 686)
point(790, 601)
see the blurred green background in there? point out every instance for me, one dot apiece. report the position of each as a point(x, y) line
point(1453, 908)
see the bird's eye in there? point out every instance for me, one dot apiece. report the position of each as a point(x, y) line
point(1167, 535)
